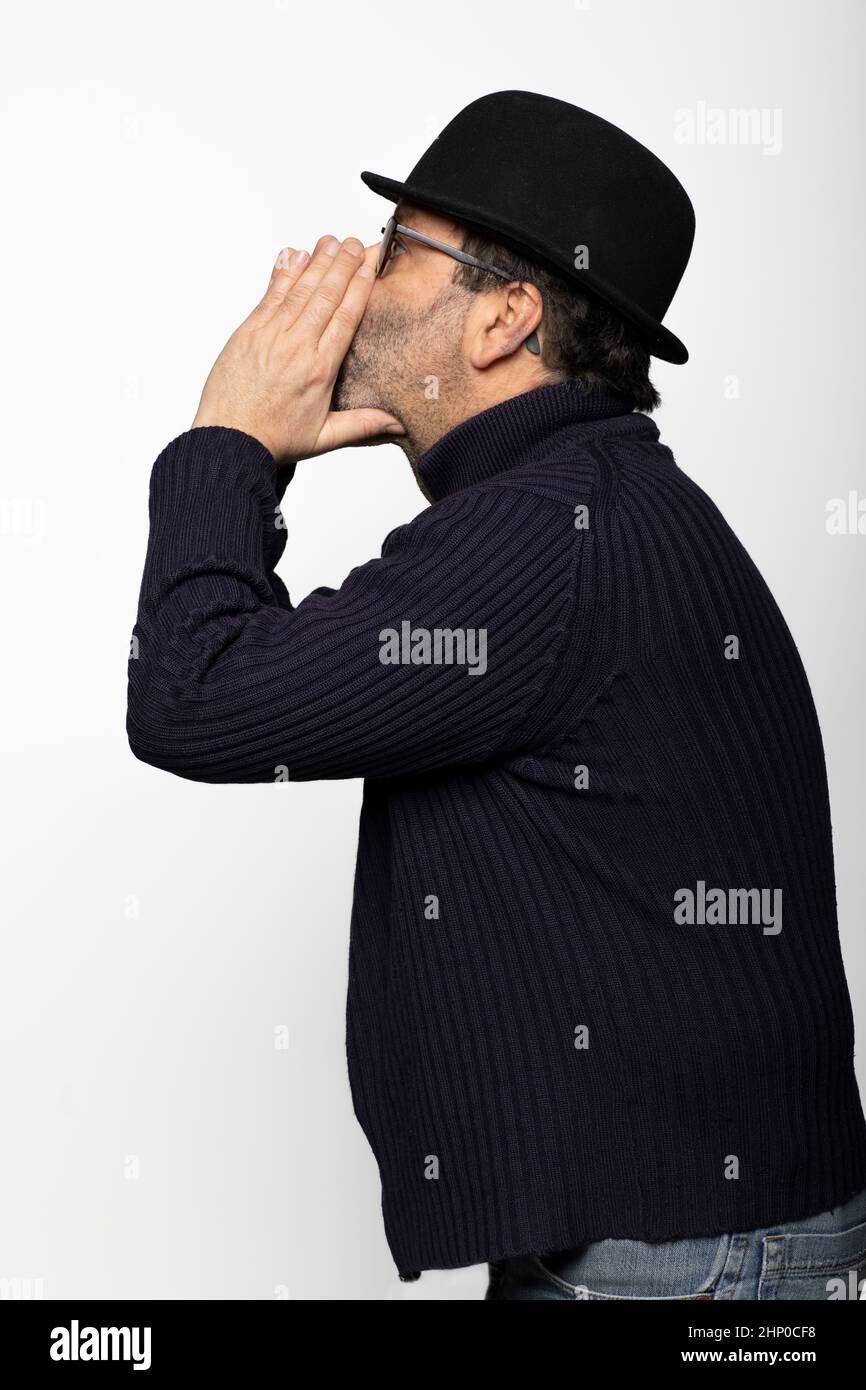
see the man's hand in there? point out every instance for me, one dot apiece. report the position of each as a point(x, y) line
point(275, 376)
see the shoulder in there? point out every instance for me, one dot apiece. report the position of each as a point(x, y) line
point(510, 513)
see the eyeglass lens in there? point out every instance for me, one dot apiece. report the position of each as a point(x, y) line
point(385, 245)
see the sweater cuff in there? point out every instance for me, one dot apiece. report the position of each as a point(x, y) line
point(215, 491)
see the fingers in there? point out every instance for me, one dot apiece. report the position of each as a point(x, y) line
point(311, 287)
point(328, 294)
point(300, 293)
point(293, 280)
point(294, 268)
point(338, 334)
point(365, 426)
point(287, 269)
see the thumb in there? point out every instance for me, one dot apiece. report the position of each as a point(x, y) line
point(365, 426)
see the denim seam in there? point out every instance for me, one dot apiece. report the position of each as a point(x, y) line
point(843, 1263)
point(570, 1289)
point(735, 1275)
point(708, 1287)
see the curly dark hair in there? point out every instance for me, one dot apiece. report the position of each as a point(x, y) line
point(583, 340)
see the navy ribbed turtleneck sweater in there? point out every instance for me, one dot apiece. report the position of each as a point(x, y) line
point(546, 1044)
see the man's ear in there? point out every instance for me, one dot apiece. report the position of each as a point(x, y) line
point(501, 321)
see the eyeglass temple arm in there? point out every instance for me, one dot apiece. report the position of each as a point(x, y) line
point(458, 255)
point(532, 342)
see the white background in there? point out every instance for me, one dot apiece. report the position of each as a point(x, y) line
point(155, 158)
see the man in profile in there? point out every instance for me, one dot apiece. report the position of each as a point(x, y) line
point(577, 1050)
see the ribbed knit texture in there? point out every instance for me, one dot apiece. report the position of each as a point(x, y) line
point(498, 906)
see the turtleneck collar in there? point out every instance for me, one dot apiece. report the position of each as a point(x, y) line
point(511, 430)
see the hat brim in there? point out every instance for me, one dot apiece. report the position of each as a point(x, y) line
point(659, 340)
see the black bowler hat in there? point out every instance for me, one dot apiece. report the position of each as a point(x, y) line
point(546, 179)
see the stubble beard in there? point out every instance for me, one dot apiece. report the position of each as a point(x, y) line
point(408, 363)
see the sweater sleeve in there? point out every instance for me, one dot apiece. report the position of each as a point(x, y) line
point(432, 655)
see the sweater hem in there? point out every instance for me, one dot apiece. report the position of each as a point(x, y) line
point(566, 1236)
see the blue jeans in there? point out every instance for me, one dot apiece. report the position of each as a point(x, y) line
point(818, 1257)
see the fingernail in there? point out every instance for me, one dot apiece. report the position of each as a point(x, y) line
point(353, 246)
point(298, 259)
point(331, 246)
point(282, 259)
point(366, 272)
point(394, 429)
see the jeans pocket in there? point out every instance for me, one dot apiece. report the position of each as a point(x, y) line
point(623, 1270)
point(814, 1265)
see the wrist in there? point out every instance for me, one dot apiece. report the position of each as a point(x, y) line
point(224, 422)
